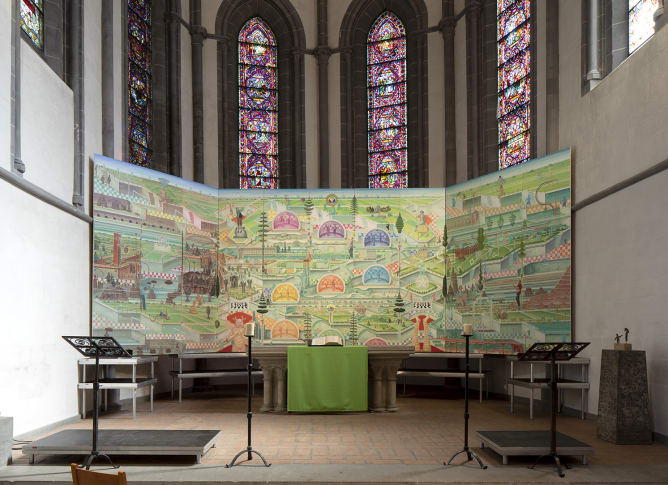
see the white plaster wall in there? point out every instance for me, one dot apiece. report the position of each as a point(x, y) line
point(5, 83)
point(92, 65)
point(436, 100)
point(46, 296)
point(186, 98)
point(210, 81)
point(461, 115)
point(47, 120)
point(620, 270)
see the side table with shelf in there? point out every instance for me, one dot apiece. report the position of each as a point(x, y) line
point(532, 382)
point(106, 382)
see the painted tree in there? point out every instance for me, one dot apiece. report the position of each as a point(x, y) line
point(444, 290)
point(489, 222)
point(262, 308)
point(480, 283)
point(263, 227)
point(307, 326)
point(481, 238)
point(353, 211)
point(521, 252)
point(353, 328)
point(308, 208)
point(500, 222)
point(513, 217)
point(399, 224)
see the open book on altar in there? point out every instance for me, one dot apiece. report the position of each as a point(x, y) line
point(330, 340)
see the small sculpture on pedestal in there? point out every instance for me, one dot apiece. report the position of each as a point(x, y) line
point(622, 346)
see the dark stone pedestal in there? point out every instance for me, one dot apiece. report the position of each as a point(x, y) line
point(623, 402)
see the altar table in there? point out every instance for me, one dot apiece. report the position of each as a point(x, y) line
point(327, 378)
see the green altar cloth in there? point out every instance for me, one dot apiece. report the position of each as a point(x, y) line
point(322, 379)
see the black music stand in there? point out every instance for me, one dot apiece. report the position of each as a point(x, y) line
point(249, 449)
point(470, 455)
point(96, 347)
point(553, 352)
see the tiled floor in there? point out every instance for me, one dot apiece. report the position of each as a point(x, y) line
point(425, 431)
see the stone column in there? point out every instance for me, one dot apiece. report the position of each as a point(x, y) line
point(268, 389)
point(323, 53)
point(280, 390)
point(593, 63)
point(447, 26)
point(198, 34)
point(391, 386)
point(474, 68)
point(378, 394)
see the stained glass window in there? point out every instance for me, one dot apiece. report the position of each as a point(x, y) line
point(513, 35)
point(386, 97)
point(641, 22)
point(258, 106)
point(32, 20)
point(139, 82)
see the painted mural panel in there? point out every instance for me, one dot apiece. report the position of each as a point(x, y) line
point(180, 266)
point(509, 256)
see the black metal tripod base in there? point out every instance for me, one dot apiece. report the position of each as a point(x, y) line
point(248, 450)
point(470, 455)
point(89, 460)
point(557, 464)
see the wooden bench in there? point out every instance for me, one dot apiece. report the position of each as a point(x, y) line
point(181, 374)
point(480, 375)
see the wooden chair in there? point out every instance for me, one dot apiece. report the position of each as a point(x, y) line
point(88, 477)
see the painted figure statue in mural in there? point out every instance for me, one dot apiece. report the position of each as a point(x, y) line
point(240, 231)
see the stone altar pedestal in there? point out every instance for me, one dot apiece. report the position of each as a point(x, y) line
point(383, 365)
point(623, 403)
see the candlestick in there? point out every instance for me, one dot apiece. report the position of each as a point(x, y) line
point(468, 329)
point(250, 329)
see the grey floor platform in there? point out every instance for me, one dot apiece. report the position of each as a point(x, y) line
point(348, 474)
point(531, 443)
point(125, 442)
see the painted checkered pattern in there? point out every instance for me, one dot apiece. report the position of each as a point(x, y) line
point(560, 252)
point(203, 345)
point(165, 216)
point(392, 267)
point(165, 336)
point(357, 271)
point(101, 322)
point(159, 275)
point(108, 190)
point(492, 211)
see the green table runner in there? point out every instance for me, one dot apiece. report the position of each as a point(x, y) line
point(327, 379)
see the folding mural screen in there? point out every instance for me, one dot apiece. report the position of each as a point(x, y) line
point(179, 266)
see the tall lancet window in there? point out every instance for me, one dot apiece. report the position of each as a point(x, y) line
point(386, 98)
point(32, 20)
point(258, 106)
point(641, 22)
point(513, 29)
point(140, 110)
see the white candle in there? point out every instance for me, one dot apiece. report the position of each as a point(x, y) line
point(250, 329)
point(468, 329)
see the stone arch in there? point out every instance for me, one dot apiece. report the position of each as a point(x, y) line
point(286, 24)
point(355, 26)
